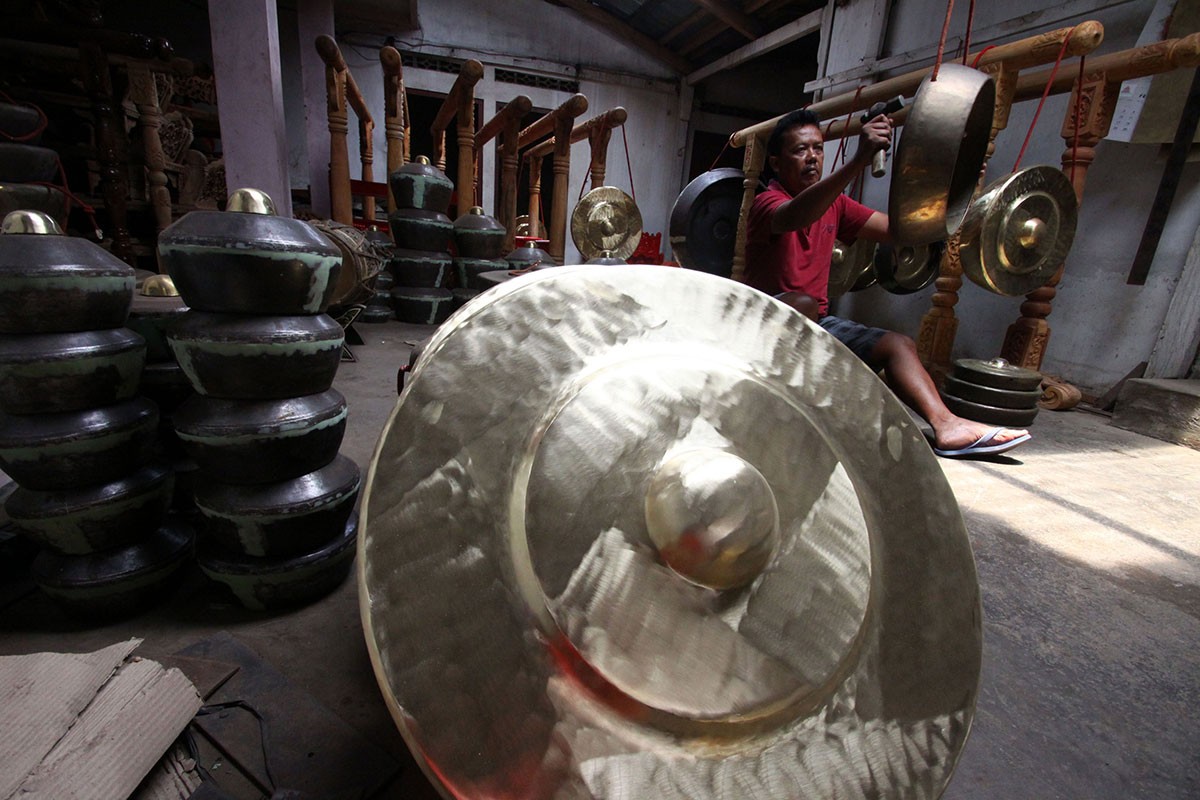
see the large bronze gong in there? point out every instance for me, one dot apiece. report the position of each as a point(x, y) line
point(643, 532)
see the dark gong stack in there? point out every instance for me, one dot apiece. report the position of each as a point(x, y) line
point(74, 436)
point(422, 232)
point(276, 497)
point(479, 240)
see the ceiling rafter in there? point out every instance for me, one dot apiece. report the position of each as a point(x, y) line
point(734, 17)
point(625, 31)
point(715, 28)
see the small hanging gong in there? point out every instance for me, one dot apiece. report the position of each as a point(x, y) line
point(850, 267)
point(1019, 231)
point(606, 219)
point(665, 547)
point(907, 268)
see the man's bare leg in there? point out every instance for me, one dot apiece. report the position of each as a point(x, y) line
point(896, 355)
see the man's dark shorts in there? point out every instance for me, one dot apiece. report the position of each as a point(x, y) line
point(861, 339)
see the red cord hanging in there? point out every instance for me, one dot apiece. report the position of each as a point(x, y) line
point(1053, 72)
point(36, 132)
point(978, 58)
point(841, 151)
point(967, 36)
point(941, 49)
point(723, 149)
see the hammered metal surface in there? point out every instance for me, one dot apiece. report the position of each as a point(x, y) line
point(527, 634)
point(1018, 232)
point(606, 219)
point(850, 267)
point(940, 154)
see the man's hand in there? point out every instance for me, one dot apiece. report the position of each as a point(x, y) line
point(876, 135)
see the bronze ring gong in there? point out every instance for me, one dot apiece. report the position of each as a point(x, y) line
point(606, 219)
point(676, 542)
point(850, 267)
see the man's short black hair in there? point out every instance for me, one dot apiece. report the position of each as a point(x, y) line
point(793, 119)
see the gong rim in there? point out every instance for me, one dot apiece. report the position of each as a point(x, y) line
point(606, 219)
point(940, 154)
point(907, 269)
point(704, 195)
point(854, 272)
point(438, 486)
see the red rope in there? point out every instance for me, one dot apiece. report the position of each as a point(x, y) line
point(937, 65)
point(723, 149)
point(1075, 132)
point(978, 58)
point(628, 164)
point(967, 36)
point(1061, 52)
point(841, 151)
point(36, 132)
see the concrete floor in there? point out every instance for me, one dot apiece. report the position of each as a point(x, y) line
point(1087, 543)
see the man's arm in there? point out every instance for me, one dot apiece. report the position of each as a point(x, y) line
point(807, 207)
point(876, 228)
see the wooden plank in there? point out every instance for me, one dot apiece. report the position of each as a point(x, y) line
point(786, 34)
point(628, 33)
point(1167, 187)
point(733, 17)
point(1179, 338)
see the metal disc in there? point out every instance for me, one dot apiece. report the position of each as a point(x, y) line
point(606, 219)
point(940, 154)
point(1002, 398)
point(704, 221)
point(1018, 232)
point(992, 415)
point(850, 267)
point(675, 542)
point(906, 268)
point(997, 373)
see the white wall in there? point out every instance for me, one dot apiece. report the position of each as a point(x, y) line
point(528, 36)
point(1101, 327)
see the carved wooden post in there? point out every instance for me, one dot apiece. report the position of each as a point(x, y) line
point(939, 326)
point(366, 154)
point(1026, 339)
point(393, 114)
point(339, 127)
point(562, 178)
point(111, 150)
point(506, 124)
point(558, 122)
point(753, 161)
point(460, 103)
point(144, 91)
point(535, 197)
point(598, 139)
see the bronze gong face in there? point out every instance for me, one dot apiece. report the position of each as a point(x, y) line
point(606, 219)
point(634, 531)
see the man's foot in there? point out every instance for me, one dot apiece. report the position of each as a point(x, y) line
point(958, 437)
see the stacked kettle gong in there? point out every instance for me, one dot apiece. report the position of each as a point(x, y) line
point(422, 232)
point(479, 241)
point(74, 435)
point(275, 495)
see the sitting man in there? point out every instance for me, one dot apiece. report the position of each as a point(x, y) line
point(789, 246)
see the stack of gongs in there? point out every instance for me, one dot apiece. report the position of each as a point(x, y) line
point(993, 391)
point(25, 168)
point(74, 435)
point(421, 263)
point(276, 497)
point(479, 242)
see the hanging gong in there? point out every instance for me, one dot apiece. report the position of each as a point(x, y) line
point(666, 547)
point(907, 268)
point(850, 267)
point(940, 154)
point(606, 219)
point(704, 221)
point(1018, 232)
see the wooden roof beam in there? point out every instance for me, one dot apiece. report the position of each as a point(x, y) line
point(627, 32)
point(715, 28)
point(733, 16)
